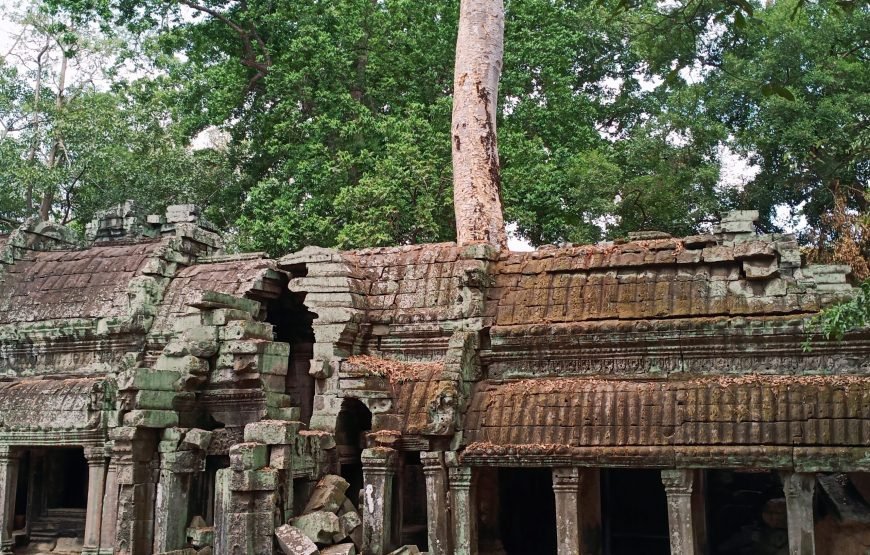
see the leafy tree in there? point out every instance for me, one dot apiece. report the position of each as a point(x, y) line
point(68, 148)
point(805, 127)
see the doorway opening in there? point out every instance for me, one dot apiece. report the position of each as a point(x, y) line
point(634, 510)
point(56, 494)
point(413, 502)
point(353, 422)
point(527, 511)
point(292, 323)
point(746, 513)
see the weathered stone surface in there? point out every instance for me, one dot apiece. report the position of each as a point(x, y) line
point(248, 456)
point(294, 541)
point(319, 526)
point(406, 550)
point(340, 549)
point(272, 432)
point(328, 495)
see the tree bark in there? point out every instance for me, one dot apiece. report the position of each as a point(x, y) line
point(476, 173)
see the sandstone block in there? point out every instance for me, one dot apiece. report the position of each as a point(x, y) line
point(350, 525)
point(293, 541)
point(760, 269)
point(272, 432)
point(328, 495)
point(151, 399)
point(151, 418)
point(196, 439)
point(340, 549)
point(254, 480)
point(319, 526)
point(201, 341)
point(187, 364)
point(248, 456)
point(141, 378)
point(281, 457)
point(246, 329)
point(406, 550)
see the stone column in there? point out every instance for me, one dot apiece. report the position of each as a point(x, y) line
point(8, 485)
point(173, 492)
point(464, 509)
point(379, 468)
point(566, 486)
point(437, 507)
point(678, 487)
point(799, 489)
point(96, 458)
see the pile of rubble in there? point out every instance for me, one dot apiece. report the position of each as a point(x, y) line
point(329, 525)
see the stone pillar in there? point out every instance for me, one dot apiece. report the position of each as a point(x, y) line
point(173, 492)
point(8, 485)
point(464, 509)
point(437, 507)
point(678, 487)
point(799, 489)
point(566, 486)
point(379, 468)
point(96, 458)
point(133, 483)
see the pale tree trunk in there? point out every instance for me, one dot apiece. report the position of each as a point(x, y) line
point(476, 177)
point(54, 155)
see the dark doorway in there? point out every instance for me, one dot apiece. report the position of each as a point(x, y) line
point(413, 509)
point(354, 420)
point(746, 513)
point(635, 517)
point(527, 511)
point(292, 324)
point(57, 494)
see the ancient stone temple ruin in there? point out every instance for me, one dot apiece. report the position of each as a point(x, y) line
point(639, 397)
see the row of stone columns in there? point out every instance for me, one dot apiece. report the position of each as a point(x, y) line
point(9, 463)
point(452, 507)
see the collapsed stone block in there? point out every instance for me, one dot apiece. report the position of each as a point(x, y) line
point(350, 525)
point(197, 439)
point(293, 541)
point(406, 550)
point(340, 549)
point(248, 456)
point(328, 495)
point(272, 432)
point(319, 526)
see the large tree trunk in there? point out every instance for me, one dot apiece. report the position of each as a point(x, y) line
point(476, 178)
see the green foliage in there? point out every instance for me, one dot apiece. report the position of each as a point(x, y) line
point(835, 322)
point(338, 114)
point(805, 126)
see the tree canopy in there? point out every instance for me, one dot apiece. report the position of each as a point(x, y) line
point(335, 117)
